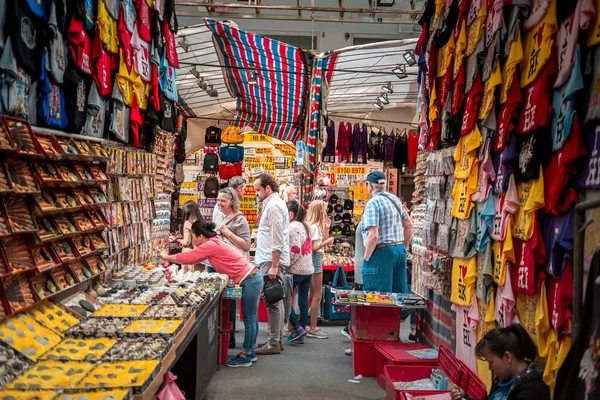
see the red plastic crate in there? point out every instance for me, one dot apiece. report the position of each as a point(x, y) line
point(376, 323)
point(225, 342)
point(263, 315)
point(363, 356)
point(403, 393)
point(403, 373)
point(389, 353)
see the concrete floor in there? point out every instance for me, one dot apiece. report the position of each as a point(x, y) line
point(317, 370)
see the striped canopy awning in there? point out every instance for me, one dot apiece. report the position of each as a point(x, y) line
point(275, 104)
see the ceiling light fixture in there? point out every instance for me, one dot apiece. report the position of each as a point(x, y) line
point(410, 58)
point(195, 72)
point(212, 92)
point(388, 88)
point(383, 98)
point(378, 105)
point(201, 84)
point(184, 45)
point(400, 71)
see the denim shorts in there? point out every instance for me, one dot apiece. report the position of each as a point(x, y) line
point(318, 262)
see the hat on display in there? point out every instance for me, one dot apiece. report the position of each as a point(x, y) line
point(347, 218)
point(329, 209)
point(348, 204)
point(333, 199)
point(337, 218)
point(336, 230)
point(338, 208)
point(376, 177)
point(347, 230)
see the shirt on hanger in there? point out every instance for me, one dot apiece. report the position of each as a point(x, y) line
point(466, 334)
point(504, 164)
point(531, 199)
point(466, 155)
point(462, 192)
point(515, 56)
point(485, 273)
point(103, 61)
point(539, 10)
point(141, 56)
point(502, 254)
point(506, 205)
point(486, 175)
point(535, 148)
point(80, 46)
point(473, 102)
point(488, 99)
point(95, 114)
point(560, 298)
point(538, 45)
point(505, 302)
point(107, 28)
point(125, 39)
point(486, 322)
point(144, 19)
point(536, 111)
point(475, 29)
point(463, 237)
point(461, 46)
point(525, 307)
point(445, 57)
point(508, 115)
point(544, 331)
point(589, 178)
point(485, 222)
point(530, 255)
point(464, 275)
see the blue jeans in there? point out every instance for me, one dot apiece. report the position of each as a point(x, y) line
point(386, 270)
point(302, 282)
point(251, 289)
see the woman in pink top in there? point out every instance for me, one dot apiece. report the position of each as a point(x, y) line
point(227, 260)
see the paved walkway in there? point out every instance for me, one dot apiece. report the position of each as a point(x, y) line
point(317, 370)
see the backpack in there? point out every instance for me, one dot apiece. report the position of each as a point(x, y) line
point(211, 187)
point(212, 137)
point(232, 154)
point(211, 162)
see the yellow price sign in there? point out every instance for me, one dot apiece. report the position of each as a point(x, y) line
point(264, 166)
point(285, 149)
point(263, 150)
point(348, 170)
point(269, 159)
point(256, 138)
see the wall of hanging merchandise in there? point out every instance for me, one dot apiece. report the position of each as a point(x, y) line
point(505, 84)
point(364, 141)
point(53, 213)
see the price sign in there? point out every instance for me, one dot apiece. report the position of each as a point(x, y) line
point(269, 159)
point(256, 138)
point(285, 149)
point(332, 179)
point(257, 171)
point(249, 152)
point(264, 166)
point(264, 150)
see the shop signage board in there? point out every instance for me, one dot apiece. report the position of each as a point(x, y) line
point(264, 150)
point(285, 149)
point(347, 175)
point(257, 138)
point(249, 152)
point(189, 191)
point(300, 152)
point(206, 207)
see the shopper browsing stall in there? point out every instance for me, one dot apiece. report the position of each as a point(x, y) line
point(227, 260)
point(239, 185)
point(272, 252)
point(301, 268)
point(386, 227)
point(510, 353)
point(191, 213)
point(319, 224)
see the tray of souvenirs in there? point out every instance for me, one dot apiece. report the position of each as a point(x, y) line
point(84, 173)
point(18, 253)
point(96, 394)
point(44, 257)
point(19, 215)
point(48, 230)
point(168, 311)
point(13, 364)
point(67, 225)
point(4, 222)
point(100, 150)
point(43, 284)
point(84, 222)
point(18, 293)
point(70, 175)
point(98, 195)
point(98, 218)
point(360, 297)
point(53, 316)
point(81, 303)
point(21, 176)
point(100, 174)
point(48, 174)
point(5, 184)
point(27, 336)
point(6, 141)
point(68, 148)
point(81, 270)
point(21, 133)
point(84, 245)
point(65, 249)
point(50, 146)
point(136, 374)
point(63, 277)
point(169, 327)
point(27, 394)
point(99, 327)
point(96, 265)
point(50, 374)
point(121, 310)
point(84, 197)
point(80, 349)
point(139, 348)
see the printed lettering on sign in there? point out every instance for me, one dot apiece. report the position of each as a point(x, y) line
point(593, 177)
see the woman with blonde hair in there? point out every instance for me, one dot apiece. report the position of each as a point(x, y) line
point(287, 192)
point(319, 224)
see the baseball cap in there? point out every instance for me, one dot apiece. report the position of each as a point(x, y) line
point(346, 218)
point(376, 177)
point(329, 209)
point(338, 208)
point(348, 204)
point(347, 230)
point(337, 218)
point(336, 230)
point(333, 198)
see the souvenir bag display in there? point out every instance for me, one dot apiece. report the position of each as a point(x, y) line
point(228, 171)
point(211, 187)
point(232, 154)
point(213, 136)
point(211, 162)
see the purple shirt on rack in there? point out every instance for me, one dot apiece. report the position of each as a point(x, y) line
point(360, 139)
point(388, 147)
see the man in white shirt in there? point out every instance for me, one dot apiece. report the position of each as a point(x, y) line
point(272, 252)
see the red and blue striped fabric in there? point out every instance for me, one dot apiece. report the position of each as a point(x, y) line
point(276, 105)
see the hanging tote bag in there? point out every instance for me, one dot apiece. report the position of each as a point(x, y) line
point(232, 135)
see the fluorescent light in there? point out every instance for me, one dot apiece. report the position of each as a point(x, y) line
point(383, 98)
point(410, 58)
point(195, 72)
point(388, 88)
point(378, 105)
point(400, 71)
point(183, 44)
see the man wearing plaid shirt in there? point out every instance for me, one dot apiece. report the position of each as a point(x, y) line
point(386, 227)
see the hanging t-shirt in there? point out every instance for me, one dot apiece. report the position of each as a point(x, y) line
point(593, 108)
point(462, 237)
point(535, 150)
point(119, 116)
point(125, 39)
point(141, 56)
point(472, 106)
point(504, 164)
point(488, 99)
point(503, 253)
point(474, 62)
point(589, 178)
point(560, 299)
point(129, 82)
point(107, 28)
point(486, 175)
point(95, 114)
point(555, 361)
point(15, 85)
point(566, 41)
point(466, 154)
point(538, 45)
point(112, 6)
point(545, 334)
point(168, 114)
point(462, 192)
point(493, 22)
point(536, 111)
point(51, 103)
point(515, 56)
point(508, 115)
point(167, 79)
point(128, 15)
point(506, 205)
point(539, 9)
point(531, 198)
point(466, 334)
point(144, 20)
point(24, 28)
point(558, 193)
point(85, 12)
point(80, 46)
point(525, 307)
point(552, 226)
point(461, 45)
point(170, 47)
point(464, 275)
point(75, 89)
point(530, 255)
point(476, 27)
point(171, 16)
point(485, 222)
point(136, 121)
point(505, 302)
point(57, 51)
point(563, 103)
point(485, 272)
point(104, 63)
point(485, 323)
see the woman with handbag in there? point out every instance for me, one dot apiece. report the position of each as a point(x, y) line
point(319, 224)
point(235, 231)
point(191, 213)
point(227, 260)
